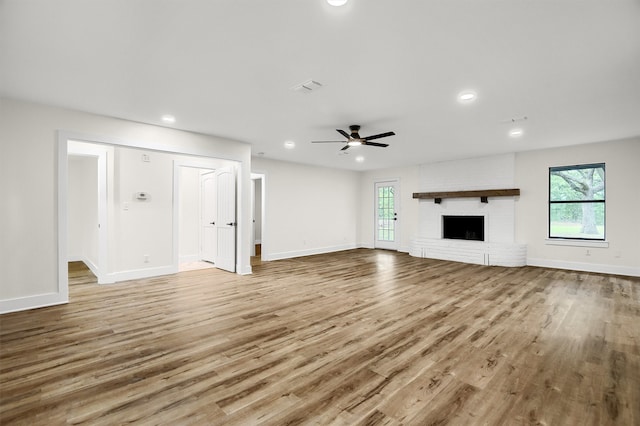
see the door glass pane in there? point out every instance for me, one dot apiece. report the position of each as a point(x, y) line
point(386, 213)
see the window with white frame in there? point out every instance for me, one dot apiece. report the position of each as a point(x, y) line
point(577, 202)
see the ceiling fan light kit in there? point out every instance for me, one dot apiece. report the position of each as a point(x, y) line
point(354, 138)
point(337, 2)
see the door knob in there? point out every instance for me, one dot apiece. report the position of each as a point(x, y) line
point(231, 224)
point(212, 223)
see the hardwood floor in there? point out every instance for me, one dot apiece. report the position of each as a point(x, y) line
point(361, 337)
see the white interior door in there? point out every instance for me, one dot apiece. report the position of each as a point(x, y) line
point(386, 215)
point(226, 218)
point(253, 218)
point(208, 231)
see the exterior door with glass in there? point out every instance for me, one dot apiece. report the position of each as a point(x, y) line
point(386, 215)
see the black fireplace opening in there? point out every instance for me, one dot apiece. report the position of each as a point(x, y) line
point(463, 227)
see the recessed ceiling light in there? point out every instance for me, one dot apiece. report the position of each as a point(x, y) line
point(516, 133)
point(169, 119)
point(360, 159)
point(467, 96)
point(289, 144)
point(337, 2)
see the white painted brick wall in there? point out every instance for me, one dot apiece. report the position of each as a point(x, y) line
point(465, 175)
point(497, 172)
point(478, 252)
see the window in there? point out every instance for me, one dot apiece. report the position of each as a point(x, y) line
point(577, 202)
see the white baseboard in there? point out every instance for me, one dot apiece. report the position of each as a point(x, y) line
point(92, 266)
point(309, 252)
point(585, 267)
point(32, 302)
point(137, 274)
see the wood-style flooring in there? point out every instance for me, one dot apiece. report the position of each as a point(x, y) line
point(361, 337)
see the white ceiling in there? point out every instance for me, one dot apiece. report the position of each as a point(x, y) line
point(226, 68)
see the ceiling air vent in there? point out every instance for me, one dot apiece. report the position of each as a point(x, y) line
point(514, 119)
point(307, 87)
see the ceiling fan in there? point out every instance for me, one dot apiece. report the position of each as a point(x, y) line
point(354, 139)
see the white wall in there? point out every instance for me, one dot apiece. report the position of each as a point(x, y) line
point(408, 207)
point(313, 210)
point(30, 223)
point(143, 227)
point(308, 209)
point(622, 162)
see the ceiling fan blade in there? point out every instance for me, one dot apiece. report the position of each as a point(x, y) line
point(343, 133)
point(328, 141)
point(378, 136)
point(382, 145)
point(345, 148)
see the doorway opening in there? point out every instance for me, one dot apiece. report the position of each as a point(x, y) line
point(195, 246)
point(205, 220)
point(87, 202)
point(257, 219)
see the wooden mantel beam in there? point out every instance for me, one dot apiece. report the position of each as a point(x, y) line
point(465, 194)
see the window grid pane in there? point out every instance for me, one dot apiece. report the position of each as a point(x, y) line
point(579, 184)
point(577, 220)
point(386, 214)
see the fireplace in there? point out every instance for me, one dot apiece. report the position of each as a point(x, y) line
point(463, 227)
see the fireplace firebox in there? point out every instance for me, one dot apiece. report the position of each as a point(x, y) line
point(463, 227)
